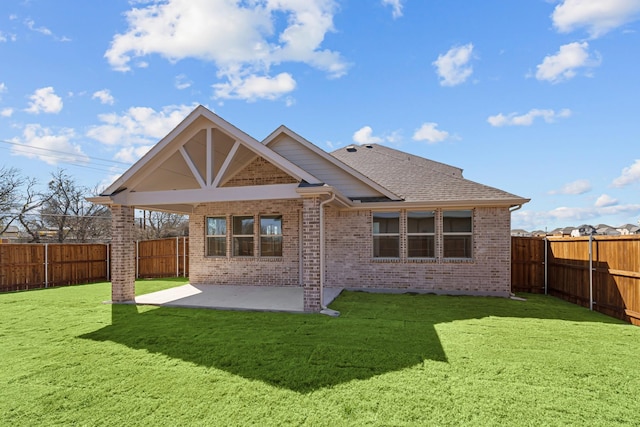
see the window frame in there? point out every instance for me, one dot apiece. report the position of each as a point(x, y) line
point(432, 234)
point(208, 236)
point(375, 235)
point(458, 234)
point(277, 234)
point(234, 236)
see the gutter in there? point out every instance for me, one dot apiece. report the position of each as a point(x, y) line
point(323, 308)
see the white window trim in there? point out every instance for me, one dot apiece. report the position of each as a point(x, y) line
point(281, 235)
point(224, 236)
point(374, 235)
point(453, 234)
point(435, 255)
point(233, 236)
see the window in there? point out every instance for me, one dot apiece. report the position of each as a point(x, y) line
point(271, 235)
point(421, 234)
point(242, 236)
point(216, 236)
point(386, 234)
point(457, 234)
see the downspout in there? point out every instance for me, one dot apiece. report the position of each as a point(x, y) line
point(516, 208)
point(329, 200)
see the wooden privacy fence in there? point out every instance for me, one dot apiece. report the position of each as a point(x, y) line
point(162, 258)
point(599, 272)
point(33, 266)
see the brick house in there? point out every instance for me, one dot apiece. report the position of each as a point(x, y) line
point(283, 212)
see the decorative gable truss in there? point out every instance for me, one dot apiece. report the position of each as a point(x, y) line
point(206, 159)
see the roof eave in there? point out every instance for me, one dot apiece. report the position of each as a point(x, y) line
point(282, 129)
point(451, 204)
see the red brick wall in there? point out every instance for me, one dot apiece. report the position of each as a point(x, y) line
point(229, 270)
point(123, 254)
point(350, 263)
point(259, 172)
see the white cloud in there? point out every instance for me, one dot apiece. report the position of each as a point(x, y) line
point(365, 135)
point(573, 215)
point(132, 154)
point(628, 176)
point(138, 125)
point(453, 67)
point(243, 39)
point(396, 7)
point(104, 96)
point(44, 100)
point(255, 87)
point(42, 30)
point(3, 88)
point(182, 82)
point(605, 200)
point(42, 143)
point(30, 23)
point(596, 16)
point(513, 119)
point(6, 112)
point(429, 132)
point(563, 65)
point(580, 186)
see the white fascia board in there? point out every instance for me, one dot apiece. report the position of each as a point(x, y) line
point(204, 195)
point(260, 149)
point(239, 135)
point(328, 157)
point(325, 190)
point(449, 204)
point(100, 200)
point(151, 154)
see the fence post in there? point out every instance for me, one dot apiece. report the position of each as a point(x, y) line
point(546, 265)
point(591, 272)
point(137, 259)
point(184, 256)
point(108, 262)
point(177, 256)
point(46, 265)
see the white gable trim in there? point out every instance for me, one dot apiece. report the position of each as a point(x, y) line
point(328, 157)
point(160, 152)
point(204, 195)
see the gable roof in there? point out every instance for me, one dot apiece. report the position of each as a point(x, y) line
point(199, 157)
point(417, 179)
point(300, 151)
point(171, 160)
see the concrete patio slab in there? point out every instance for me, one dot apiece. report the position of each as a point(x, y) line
point(227, 297)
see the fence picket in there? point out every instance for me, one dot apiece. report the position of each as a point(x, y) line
point(607, 278)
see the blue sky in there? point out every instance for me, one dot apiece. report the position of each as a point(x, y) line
point(536, 97)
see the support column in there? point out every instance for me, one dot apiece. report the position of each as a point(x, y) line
point(123, 267)
point(311, 253)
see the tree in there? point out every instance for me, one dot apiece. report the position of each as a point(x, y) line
point(66, 211)
point(10, 183)
point(19, 201)
point(159, 225)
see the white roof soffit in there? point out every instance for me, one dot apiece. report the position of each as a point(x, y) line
point(246, 140)
point(368, 181)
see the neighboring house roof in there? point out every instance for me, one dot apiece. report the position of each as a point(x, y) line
point(417, 179)
point(203, 159)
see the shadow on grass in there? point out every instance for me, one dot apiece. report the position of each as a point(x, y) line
point(375, 334)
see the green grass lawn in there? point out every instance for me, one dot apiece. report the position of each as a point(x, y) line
point(69, 359)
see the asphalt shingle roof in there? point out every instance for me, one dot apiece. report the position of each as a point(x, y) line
point(416, 179)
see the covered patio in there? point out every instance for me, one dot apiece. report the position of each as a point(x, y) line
point(288, 299)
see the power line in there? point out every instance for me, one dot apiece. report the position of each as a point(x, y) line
point(66, 153)
point(65, 157)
